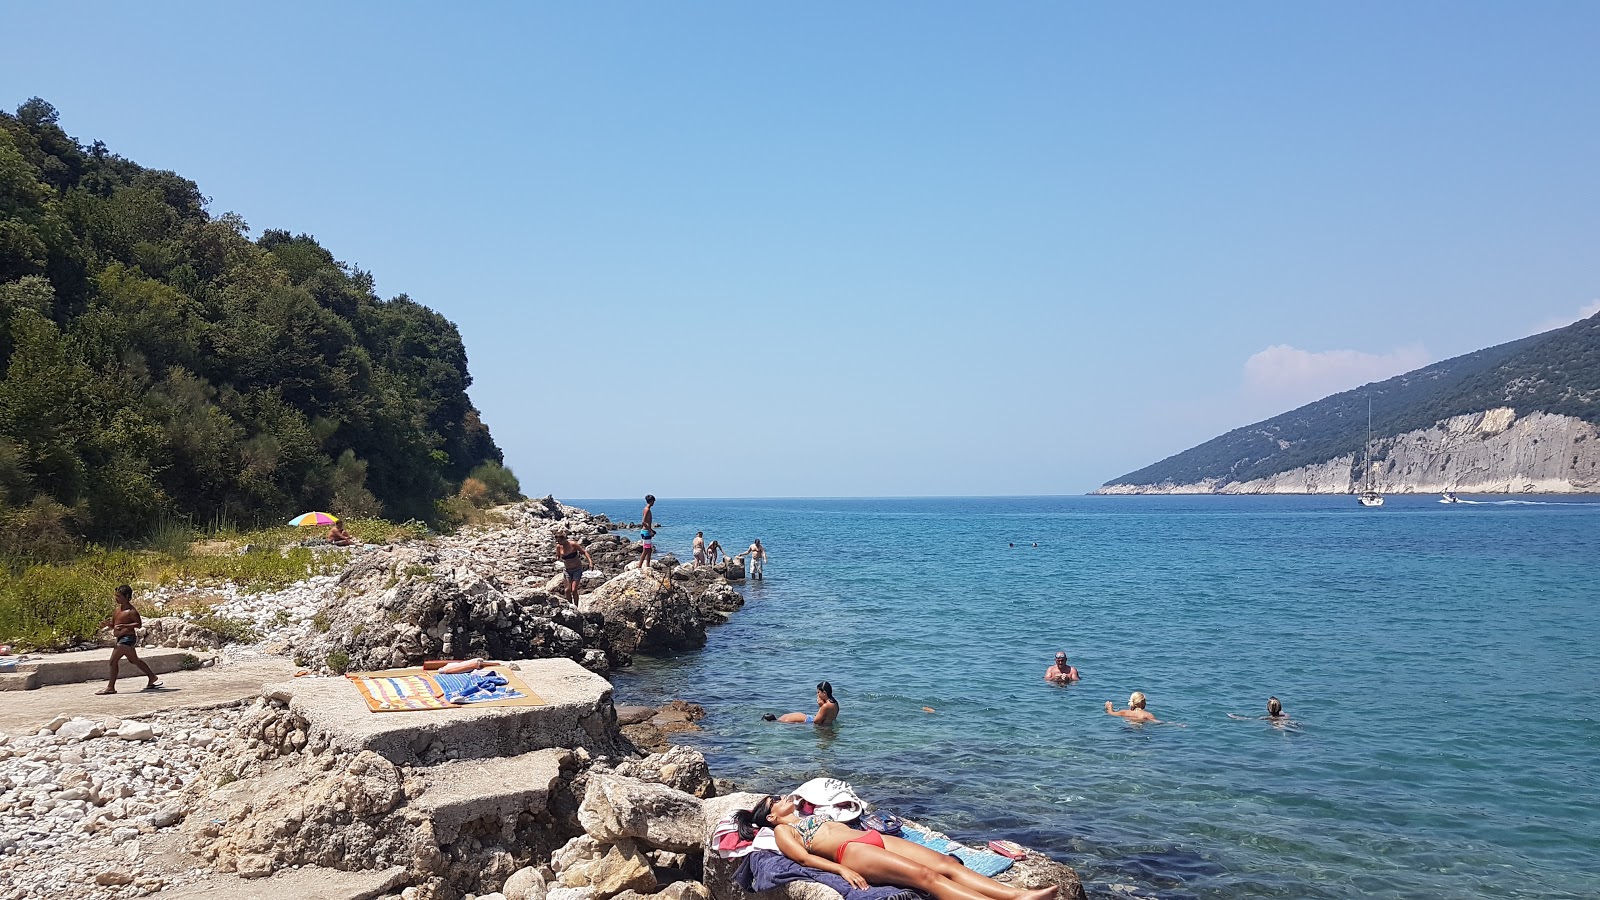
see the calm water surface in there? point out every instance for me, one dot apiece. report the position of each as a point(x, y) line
point(1439, 657)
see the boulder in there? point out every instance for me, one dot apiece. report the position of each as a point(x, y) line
point(525, 884)
point(680, 768)
point(620, 867)
point(664, 615)
point(617, 808)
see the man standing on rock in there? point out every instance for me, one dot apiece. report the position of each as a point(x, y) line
point(758, 556)
point(647, 533)
point(123, 623)
point(699, 548)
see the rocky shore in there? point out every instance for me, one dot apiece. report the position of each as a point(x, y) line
point(282, 794)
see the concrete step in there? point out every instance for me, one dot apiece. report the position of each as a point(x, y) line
point(577, 712)
point(18, 681)
point(471, 789)
point(287, 884)
point(91, 665)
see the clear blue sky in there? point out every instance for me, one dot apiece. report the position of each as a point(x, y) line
point(758, 249)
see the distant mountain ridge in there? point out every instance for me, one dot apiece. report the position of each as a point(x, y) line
point(1556, 374)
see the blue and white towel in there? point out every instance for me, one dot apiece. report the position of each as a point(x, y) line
point(984, 862)
point(475, 687)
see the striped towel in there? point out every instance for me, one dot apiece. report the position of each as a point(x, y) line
point(398, 693)
point(984, 862)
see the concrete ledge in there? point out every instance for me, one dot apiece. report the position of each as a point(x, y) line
point(286, 884)
point(472, 789)
point(18, 681)
point(90, 665)
point(578, 713)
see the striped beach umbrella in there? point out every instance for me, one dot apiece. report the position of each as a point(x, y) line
point(313, 518)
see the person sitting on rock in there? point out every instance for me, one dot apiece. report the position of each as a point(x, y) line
point(864, 858)
point(123, 623)
point(338, 537)
point(827, 710)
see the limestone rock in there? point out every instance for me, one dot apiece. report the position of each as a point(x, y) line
point(113, 878)
point(622, 867)
point(136, 731)
point(616, 807)
point(78, 729)
point(664, 615)
point(525, 884)
point(254, 865)
point(685, 890)
point(681, 768)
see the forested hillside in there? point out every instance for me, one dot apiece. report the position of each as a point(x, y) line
point(160, 365)
point(1556, 372)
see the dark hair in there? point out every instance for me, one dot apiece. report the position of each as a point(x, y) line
point(124, 591)
point(1274, 706)
point(650, 499)
point(749, 820)
point(768, 717)
point(827, 688)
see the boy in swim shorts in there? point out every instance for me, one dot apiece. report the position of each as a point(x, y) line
point(123, 623)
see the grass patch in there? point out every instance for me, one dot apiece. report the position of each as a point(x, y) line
point(188, 662)
point(47, 604)
point(338, 661)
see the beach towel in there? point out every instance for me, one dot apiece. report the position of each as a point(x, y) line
point(399, 691)
point(726, 841)
point(465, 688)
point(411, 690)
point(984, 862)
point(767, 869)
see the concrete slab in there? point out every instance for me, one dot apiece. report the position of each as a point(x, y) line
point(472, 789)
point(18, 681)
point(578, 713)
point(24, 712)
point(91, 665)
point(307, 882)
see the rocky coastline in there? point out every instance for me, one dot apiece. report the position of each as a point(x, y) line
point(277, 794)
point(1491, 452)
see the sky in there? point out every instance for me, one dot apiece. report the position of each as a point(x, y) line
point(886, 249)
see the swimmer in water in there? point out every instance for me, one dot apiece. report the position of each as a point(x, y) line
point(1275, 715)
point(1135, 711)
point(827, 710)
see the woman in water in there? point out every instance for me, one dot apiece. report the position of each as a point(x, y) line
point(827, 710)
point(865, 858)
point(1275, 714)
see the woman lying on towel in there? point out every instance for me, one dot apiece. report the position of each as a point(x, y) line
point(867, 857)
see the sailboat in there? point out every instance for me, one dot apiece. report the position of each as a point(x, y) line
point(1369, 496)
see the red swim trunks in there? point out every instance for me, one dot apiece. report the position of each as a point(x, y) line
point(866, 837)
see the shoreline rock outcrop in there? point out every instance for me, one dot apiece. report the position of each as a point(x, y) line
point(560, 801)
point(1490, 452)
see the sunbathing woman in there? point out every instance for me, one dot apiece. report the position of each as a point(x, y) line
point(827, 710)
point(865, 858)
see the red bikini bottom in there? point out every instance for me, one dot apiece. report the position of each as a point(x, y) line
point(866, 837)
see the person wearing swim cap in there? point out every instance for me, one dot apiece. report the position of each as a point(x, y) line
point(1061, 671)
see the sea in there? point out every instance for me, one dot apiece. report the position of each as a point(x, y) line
point(1438, 662)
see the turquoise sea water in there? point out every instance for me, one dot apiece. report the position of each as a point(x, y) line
point(1440, 659)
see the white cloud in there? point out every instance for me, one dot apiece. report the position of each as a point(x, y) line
point(1554, 322)
point(1285, 377)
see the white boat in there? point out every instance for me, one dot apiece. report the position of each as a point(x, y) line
point(1369, 495)
point(1449, 497)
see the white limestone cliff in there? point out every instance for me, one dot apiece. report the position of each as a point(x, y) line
point(1491, 452)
